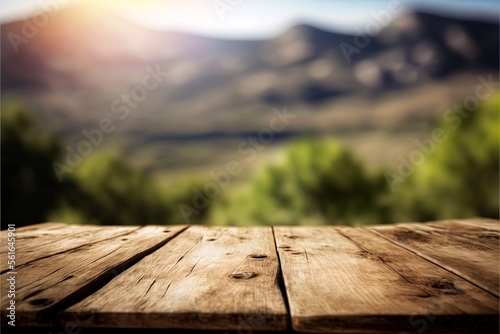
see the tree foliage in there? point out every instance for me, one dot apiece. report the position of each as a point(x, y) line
point(30, 189)
point(318, 181)
point(461, 177)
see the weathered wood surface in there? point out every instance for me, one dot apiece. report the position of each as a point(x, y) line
point(481, 223)
point(351, 280)
point(468, 255)
point(52, 238)
point(48, 284)
point(434, 278)
point(206, 278)
point(481, 235)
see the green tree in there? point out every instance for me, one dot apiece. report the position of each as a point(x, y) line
point(461, 177)
point(30, 189)
point(105, 189)
point(112, 192)
point(319, 182)
point(180, 193)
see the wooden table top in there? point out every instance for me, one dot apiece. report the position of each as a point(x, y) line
point(435, 277)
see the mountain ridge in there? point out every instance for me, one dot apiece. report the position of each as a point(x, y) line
point(72, 72)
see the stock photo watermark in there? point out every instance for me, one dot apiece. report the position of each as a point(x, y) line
point(224, 7)
point(422, 322)
point(11, 291)
point(453, 116)
point(122, 107)
point(247, 148)
point(370, 30)
point(31, 27)
point(11, 274)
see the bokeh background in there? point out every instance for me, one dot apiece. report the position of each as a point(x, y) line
point(249, 112)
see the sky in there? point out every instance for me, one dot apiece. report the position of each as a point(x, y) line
point(256, 18)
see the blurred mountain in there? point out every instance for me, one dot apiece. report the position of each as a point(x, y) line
point(414, 42)
point(75, 66)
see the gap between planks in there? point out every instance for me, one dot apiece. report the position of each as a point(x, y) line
point(51, 284)
point(372, 285)
point(280, 276)
point(217, 278)
point(473, 261)
point(67, 238)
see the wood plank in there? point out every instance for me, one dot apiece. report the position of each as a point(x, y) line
point(22, 236)
point(349, 280)
point(45, 286)
point(472, 234)
point(36, 227)
point(473, 261)
point(49, 239)
point(485, 223)
point(207, 278)
point(27, 232)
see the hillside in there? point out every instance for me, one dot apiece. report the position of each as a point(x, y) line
point(218, 92)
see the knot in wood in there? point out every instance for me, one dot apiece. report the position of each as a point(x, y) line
point(245, 275)
point(257, 256)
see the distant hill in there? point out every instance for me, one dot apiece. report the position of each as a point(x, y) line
point(81, 61)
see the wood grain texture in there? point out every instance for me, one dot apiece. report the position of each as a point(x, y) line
point(475, 260)
point(37, 227)
point(485, 223)
point(48, 284)
point(45, 240)
point(206, 278)
point(349, 280)
point(415, 278)
point(481, 235)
